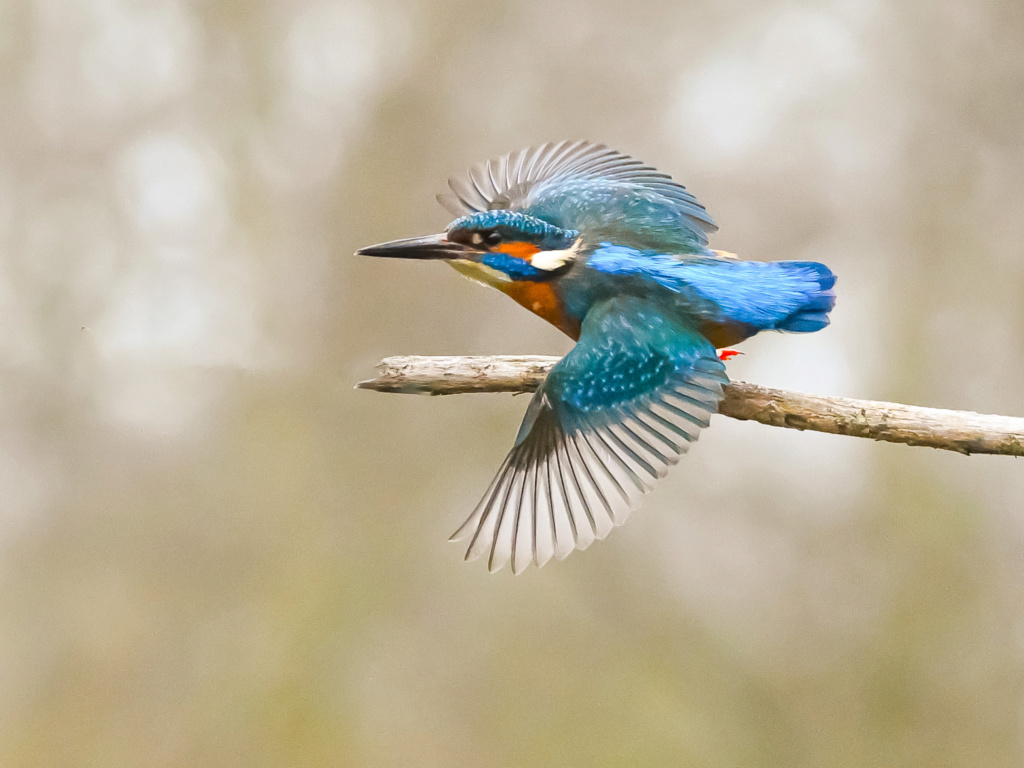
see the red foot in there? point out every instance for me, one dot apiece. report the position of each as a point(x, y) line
point(726, 354)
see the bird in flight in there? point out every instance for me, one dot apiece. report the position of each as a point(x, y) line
point(614, 254)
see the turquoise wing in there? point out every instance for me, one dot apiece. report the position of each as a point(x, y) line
point(609, 419)
point(604, 194)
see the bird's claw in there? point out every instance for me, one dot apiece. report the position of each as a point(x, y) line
point(727, 354)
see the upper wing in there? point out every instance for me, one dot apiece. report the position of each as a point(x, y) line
point(610, 418)
point(588, 187)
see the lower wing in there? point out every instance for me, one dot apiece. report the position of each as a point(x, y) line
point(609, 419)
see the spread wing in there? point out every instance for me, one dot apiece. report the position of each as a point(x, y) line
point(610, 418)
point(578, 185)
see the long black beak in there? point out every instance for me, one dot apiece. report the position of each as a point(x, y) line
point(429, 247)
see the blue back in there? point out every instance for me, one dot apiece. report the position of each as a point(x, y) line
point(783, 295)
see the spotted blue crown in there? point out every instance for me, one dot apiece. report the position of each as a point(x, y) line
point(517, 226)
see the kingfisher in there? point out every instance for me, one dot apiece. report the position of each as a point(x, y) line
point(615, 255)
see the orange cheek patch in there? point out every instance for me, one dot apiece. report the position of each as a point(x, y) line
point(519, 250)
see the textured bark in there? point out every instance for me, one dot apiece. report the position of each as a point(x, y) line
point(961, 431)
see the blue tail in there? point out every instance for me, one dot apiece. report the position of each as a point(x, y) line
point(816, 281)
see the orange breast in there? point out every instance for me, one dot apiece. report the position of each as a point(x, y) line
point(540, 299)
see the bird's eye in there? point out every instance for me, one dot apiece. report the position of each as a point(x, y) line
point(492, 238)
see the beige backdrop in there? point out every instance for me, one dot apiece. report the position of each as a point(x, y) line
point(213, 552)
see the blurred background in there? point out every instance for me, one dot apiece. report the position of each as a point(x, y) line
point(213, 552)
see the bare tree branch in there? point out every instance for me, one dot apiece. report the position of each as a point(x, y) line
point(962, 431)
